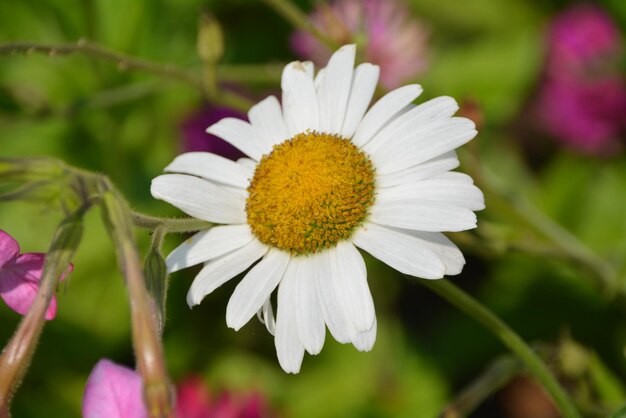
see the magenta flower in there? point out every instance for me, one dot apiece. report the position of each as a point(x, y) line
point(194, 401)
point(582, 102)
point(20, 275)
point(393, 39)
point(583, 41)
point(194, 134)
point(113, 391)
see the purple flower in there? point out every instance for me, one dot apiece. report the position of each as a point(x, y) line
point(394, 40)
point(20, 275)
point(582, 102)
point(113, 391)
point(195, 137)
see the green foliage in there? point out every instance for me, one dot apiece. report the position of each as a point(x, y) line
point(126, 124)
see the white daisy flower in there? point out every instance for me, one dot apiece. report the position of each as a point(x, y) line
point(325, 176)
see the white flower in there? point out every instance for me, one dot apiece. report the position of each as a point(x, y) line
point(325, 176)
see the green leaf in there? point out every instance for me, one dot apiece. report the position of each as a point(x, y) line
point(156, 279)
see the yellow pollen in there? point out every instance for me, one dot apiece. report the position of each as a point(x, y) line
point(309, 193)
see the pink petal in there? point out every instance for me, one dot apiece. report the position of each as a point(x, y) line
point(9, 248)
point(113, 391)
point(19, 293)
point(254, 407)
point(19, 283)
point(193, 400)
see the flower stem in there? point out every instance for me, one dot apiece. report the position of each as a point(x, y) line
point(17, 354)
point(563, 241)
point(169, 225)
point(129, 62)
point(83, 46)
point(299, 20)
point(498, 374)
point(144, 315)
point(493, 323)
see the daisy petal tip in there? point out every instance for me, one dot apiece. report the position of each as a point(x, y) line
point(192, 300)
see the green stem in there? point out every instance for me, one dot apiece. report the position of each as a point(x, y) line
point(129, 62)
point(498, 374)
point(603, 272)
point(94, 50)
point(298, 19)
point(489, 320)
point(19, 351)
point(169, 225)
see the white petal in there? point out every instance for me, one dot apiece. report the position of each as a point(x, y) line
point(334, 89)
point(266, 316)
point(217, 272)
point(267, 120)
point(445, 249)
point(423, 144)
point(288, 347)
point(422, 216)
point(207, 245)
point(200, 198)
point(455, 191)
point(364, 341)
point(211, 167)
point(419, 119)
point(319, 78)
point(255, 288)
point(300, 110)
point(349, 280)
point(310, 320)
point(403, 252)
point(361, 93)
point(430, 168)
point(239, 134)
point(335, 316)
point(249, 164)
point(384, 111)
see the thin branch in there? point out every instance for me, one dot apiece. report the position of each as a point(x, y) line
point(123, 61)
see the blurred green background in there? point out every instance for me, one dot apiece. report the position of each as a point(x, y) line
point(126, 124)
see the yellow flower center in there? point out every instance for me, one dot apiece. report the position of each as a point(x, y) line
point(309, 193)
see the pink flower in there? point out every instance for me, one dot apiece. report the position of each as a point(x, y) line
point(582, 102)
point(394, 41)
point(582, 41)
point(20, 275)
point(194, 401)
point(113, 391)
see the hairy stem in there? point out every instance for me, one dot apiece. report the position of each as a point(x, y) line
point(144, 316)
point(170, 225)
point(18, 353)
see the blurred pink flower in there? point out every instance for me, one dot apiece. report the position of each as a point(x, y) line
point(582, 102)
point(582, 40)
point(194, 401)
point(113, 391)
point(20, 275)
point(393, 39)
point(195, 137)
